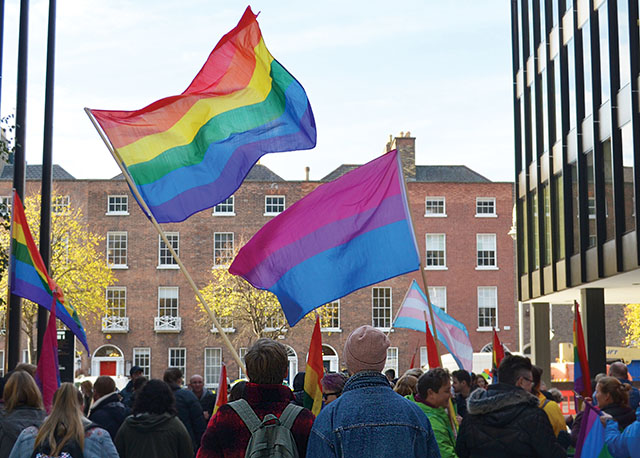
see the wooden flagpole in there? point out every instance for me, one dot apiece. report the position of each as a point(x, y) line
point(184, 270)
point(452, 417)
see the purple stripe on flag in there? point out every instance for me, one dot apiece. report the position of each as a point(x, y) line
point(362, 189)
point(334, 234)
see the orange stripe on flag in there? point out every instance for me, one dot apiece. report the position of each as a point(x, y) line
point(314, 371)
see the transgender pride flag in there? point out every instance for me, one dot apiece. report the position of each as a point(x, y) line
point(451, 333)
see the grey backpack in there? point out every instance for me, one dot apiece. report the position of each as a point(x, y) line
point(271, 437)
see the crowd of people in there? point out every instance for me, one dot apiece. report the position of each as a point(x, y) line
point(365, 412)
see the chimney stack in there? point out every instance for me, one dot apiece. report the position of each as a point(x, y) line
point(406, 146)
point(306, 171)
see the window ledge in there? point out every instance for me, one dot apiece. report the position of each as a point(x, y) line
point(221, 266)
point(486, 329)
point(435, 215)
point(330, 330)
point(384, 329)
point(489, 215)
point(436, 268)
point(117, 214)
point(226, 330)
point(487, 268)
point(168, 267)
point(275, 329)
point(271, 214)
point(224, 214)
point(119, 267)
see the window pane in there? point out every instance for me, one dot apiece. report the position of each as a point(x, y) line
point(168, 301)
point(116, 301)
point(273, 204)
point(330, 315)
point(118, 204)
point(434, 206)
point(165, 256)
point(486, 250)
point(212, 367)
point(436, 254)
point(381, 307)
point(142, 358)
point(117, 248)
point(224, 207)
point(178, 358)
point(627, 173)
point(222, 248)
point(487, 306)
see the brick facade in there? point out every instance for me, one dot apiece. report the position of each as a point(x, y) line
point(142, 277)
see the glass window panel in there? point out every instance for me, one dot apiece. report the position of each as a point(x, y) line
point(576, 208)
point(438, 296)
point(212, 367)
point(627, 173)
point(547, 225)
point(535, 232)
point(117, 248)
point(226, 207)
point(586, 67)
point(571, 64)
point(381, 307)
point(178, 358)
point(165, 258)
point(608, 190)
point(168, 301)
point(436, 255)
point(116, 301)
point(487, 306)
point(222, 248)
point(591, 195)
point(603, 33)
point(559, 228)
point(623, 42)
point(118, 204)
point(434, 206)
point(142, 358)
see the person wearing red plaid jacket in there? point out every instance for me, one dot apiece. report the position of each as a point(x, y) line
point(267, 365)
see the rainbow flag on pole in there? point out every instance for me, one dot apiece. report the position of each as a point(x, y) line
point(48, 372)
point(312, 397)
point(191, 151)
point(451, 333)
point(328, 244)
point(29, 277)
point(581, 375)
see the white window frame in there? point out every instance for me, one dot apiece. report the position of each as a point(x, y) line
point(242, 351)
point(480, 240)
point(117, 201)
point(6, 204)
point(334, 320)
point(277, 319)
point(482, 304)
point(438, 297)
point(436, 202)
point(225, 208)
point(442, 238)
point(25, 356)
point(219, 248)
point(376, 306)
point(272, 204)
point(226, 322)
point(122, 307)
point(163, 295)
point(2, 363)
point(176, 356)
point(211, 372)
point(165, 259)
point(141, 356)
point(392, 360)
point(124, 234)
point(60, 204)
point(482, 200)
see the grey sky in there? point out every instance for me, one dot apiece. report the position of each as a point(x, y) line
point(440, 69)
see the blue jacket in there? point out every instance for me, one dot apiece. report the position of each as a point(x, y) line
point(623, 444)
point(190, 414)
point(370, 419)
point(109, 414)
point(97, 443)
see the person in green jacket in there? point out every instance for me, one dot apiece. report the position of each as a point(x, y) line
point(434, 393)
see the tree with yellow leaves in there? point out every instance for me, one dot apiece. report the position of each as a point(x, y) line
point(76, 263)
point(631, 324)
point(235, 302)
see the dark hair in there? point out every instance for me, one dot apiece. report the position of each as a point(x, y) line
point(512, 368)
point(139, 382)
point(172, 375)
point(390, 373)
point(462, 376)
point(266, 362)
point(155, 397)
point(104, 385)
point(433, 379)
point(536, 372)
point(298, 381)
point(237, 391)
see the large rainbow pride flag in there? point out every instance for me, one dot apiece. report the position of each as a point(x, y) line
point(581, 375)
point(312, 396)
point(191, 151)
point(347, 234)
point(29, 277)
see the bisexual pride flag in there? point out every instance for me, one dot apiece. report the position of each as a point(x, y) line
point(453, 334)
point(347, 234)
point(591, 443)
point(191, 151)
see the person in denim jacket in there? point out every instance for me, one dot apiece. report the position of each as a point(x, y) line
point(369, 418)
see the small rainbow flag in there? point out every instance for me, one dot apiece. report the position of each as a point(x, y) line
point(191, 151)
point(581, 375)
point(29, 277)
point(497, 351)
point(312, 398)
point(221, 394)
point(48, 373)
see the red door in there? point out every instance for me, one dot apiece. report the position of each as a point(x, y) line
point(108, 368)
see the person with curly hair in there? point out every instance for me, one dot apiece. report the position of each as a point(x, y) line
point(154, 429)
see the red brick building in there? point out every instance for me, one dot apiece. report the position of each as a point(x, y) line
point(462, 221)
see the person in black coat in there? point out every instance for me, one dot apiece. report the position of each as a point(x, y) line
point(505, 420)
point(189, 408)
point(107, 409)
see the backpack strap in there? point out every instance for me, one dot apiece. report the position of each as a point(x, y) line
point(289, 415)
point(246, 414)
point(546, 401)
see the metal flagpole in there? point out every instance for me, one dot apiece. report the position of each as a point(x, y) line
point(184, 270)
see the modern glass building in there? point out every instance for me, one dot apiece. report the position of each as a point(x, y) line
point(577, 160)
